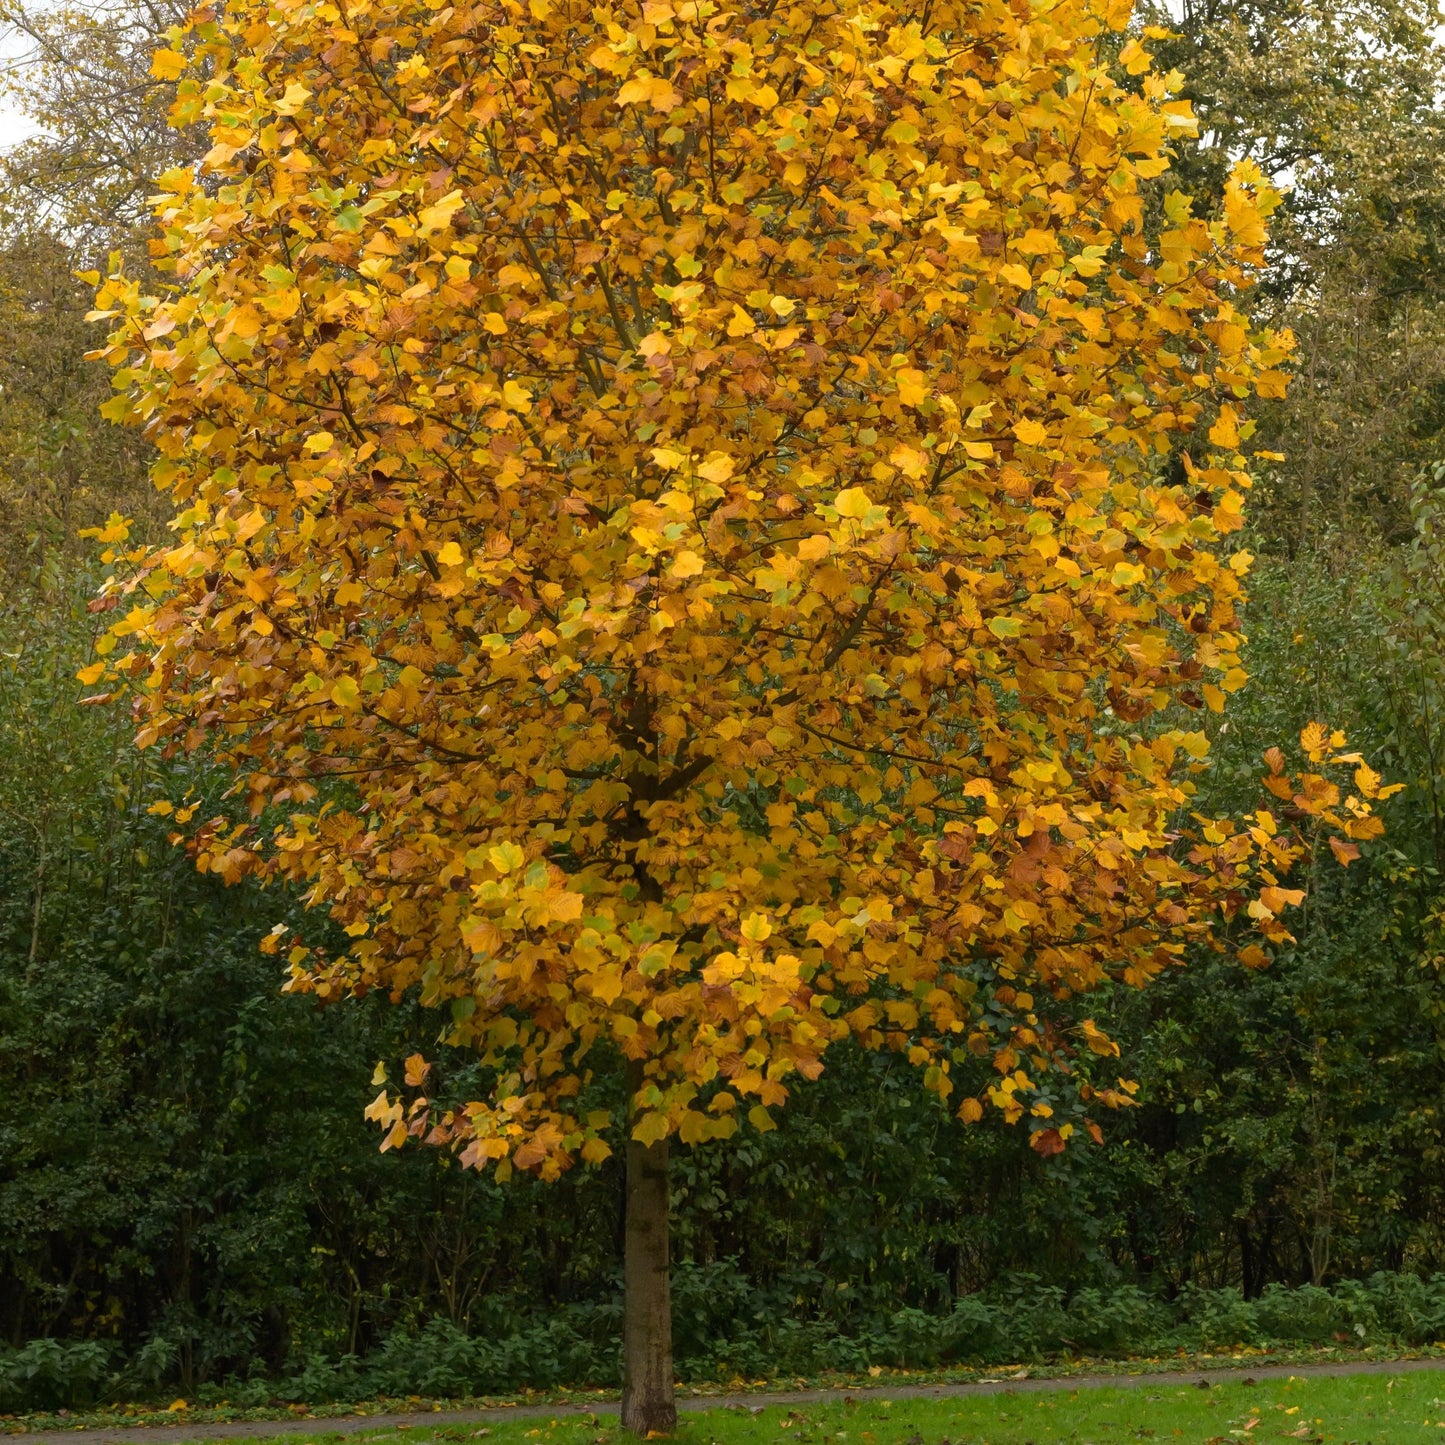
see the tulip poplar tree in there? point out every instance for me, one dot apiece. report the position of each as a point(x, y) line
point(701, 534)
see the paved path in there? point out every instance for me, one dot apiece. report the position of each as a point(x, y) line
point(430, 1419)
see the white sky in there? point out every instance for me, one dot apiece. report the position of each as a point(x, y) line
point(13, 126)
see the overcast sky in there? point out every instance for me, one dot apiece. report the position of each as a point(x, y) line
point(13, 126)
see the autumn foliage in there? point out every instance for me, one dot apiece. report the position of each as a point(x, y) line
point(702, 533)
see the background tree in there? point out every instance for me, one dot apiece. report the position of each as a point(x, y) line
point(673, 549)
point(82, 76)
point(61, 467)
point(1339, 105)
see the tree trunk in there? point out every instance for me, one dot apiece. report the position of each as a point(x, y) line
point(648, 1403)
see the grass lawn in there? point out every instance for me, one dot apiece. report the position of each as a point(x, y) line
point(1364, 1409)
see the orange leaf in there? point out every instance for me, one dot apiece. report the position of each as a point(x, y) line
point(1047, 1142)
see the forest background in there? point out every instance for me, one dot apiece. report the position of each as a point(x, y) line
point(188, 1194)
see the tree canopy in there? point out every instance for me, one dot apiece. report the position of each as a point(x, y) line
point(673, 536)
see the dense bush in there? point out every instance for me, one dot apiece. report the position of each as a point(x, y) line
point(1017, 1321)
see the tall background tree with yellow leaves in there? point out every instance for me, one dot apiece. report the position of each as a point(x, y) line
point(702, 533)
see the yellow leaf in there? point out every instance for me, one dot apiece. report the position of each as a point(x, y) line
point(1367, 780)
point(506, 857)
point(91, 674)
point(651, 1128)
point(345, 693)
point(756, 927)
point(168, 64)
point(451, 555)
point(760, 1119)
point(1134, 58)
point(317, 442)
point(1098, 1041)
point(1225, 431)
point(1035, 242)
point(564, 906)
point(695, 1127)
point(717, 468)
point(912, 386)
point(686, 564)
point(852, 502)
point(438, 216)
point(294, 100)
point(909, 460)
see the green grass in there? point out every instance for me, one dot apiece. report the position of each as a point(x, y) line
point(1363, 1409)
point(211, 1409)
